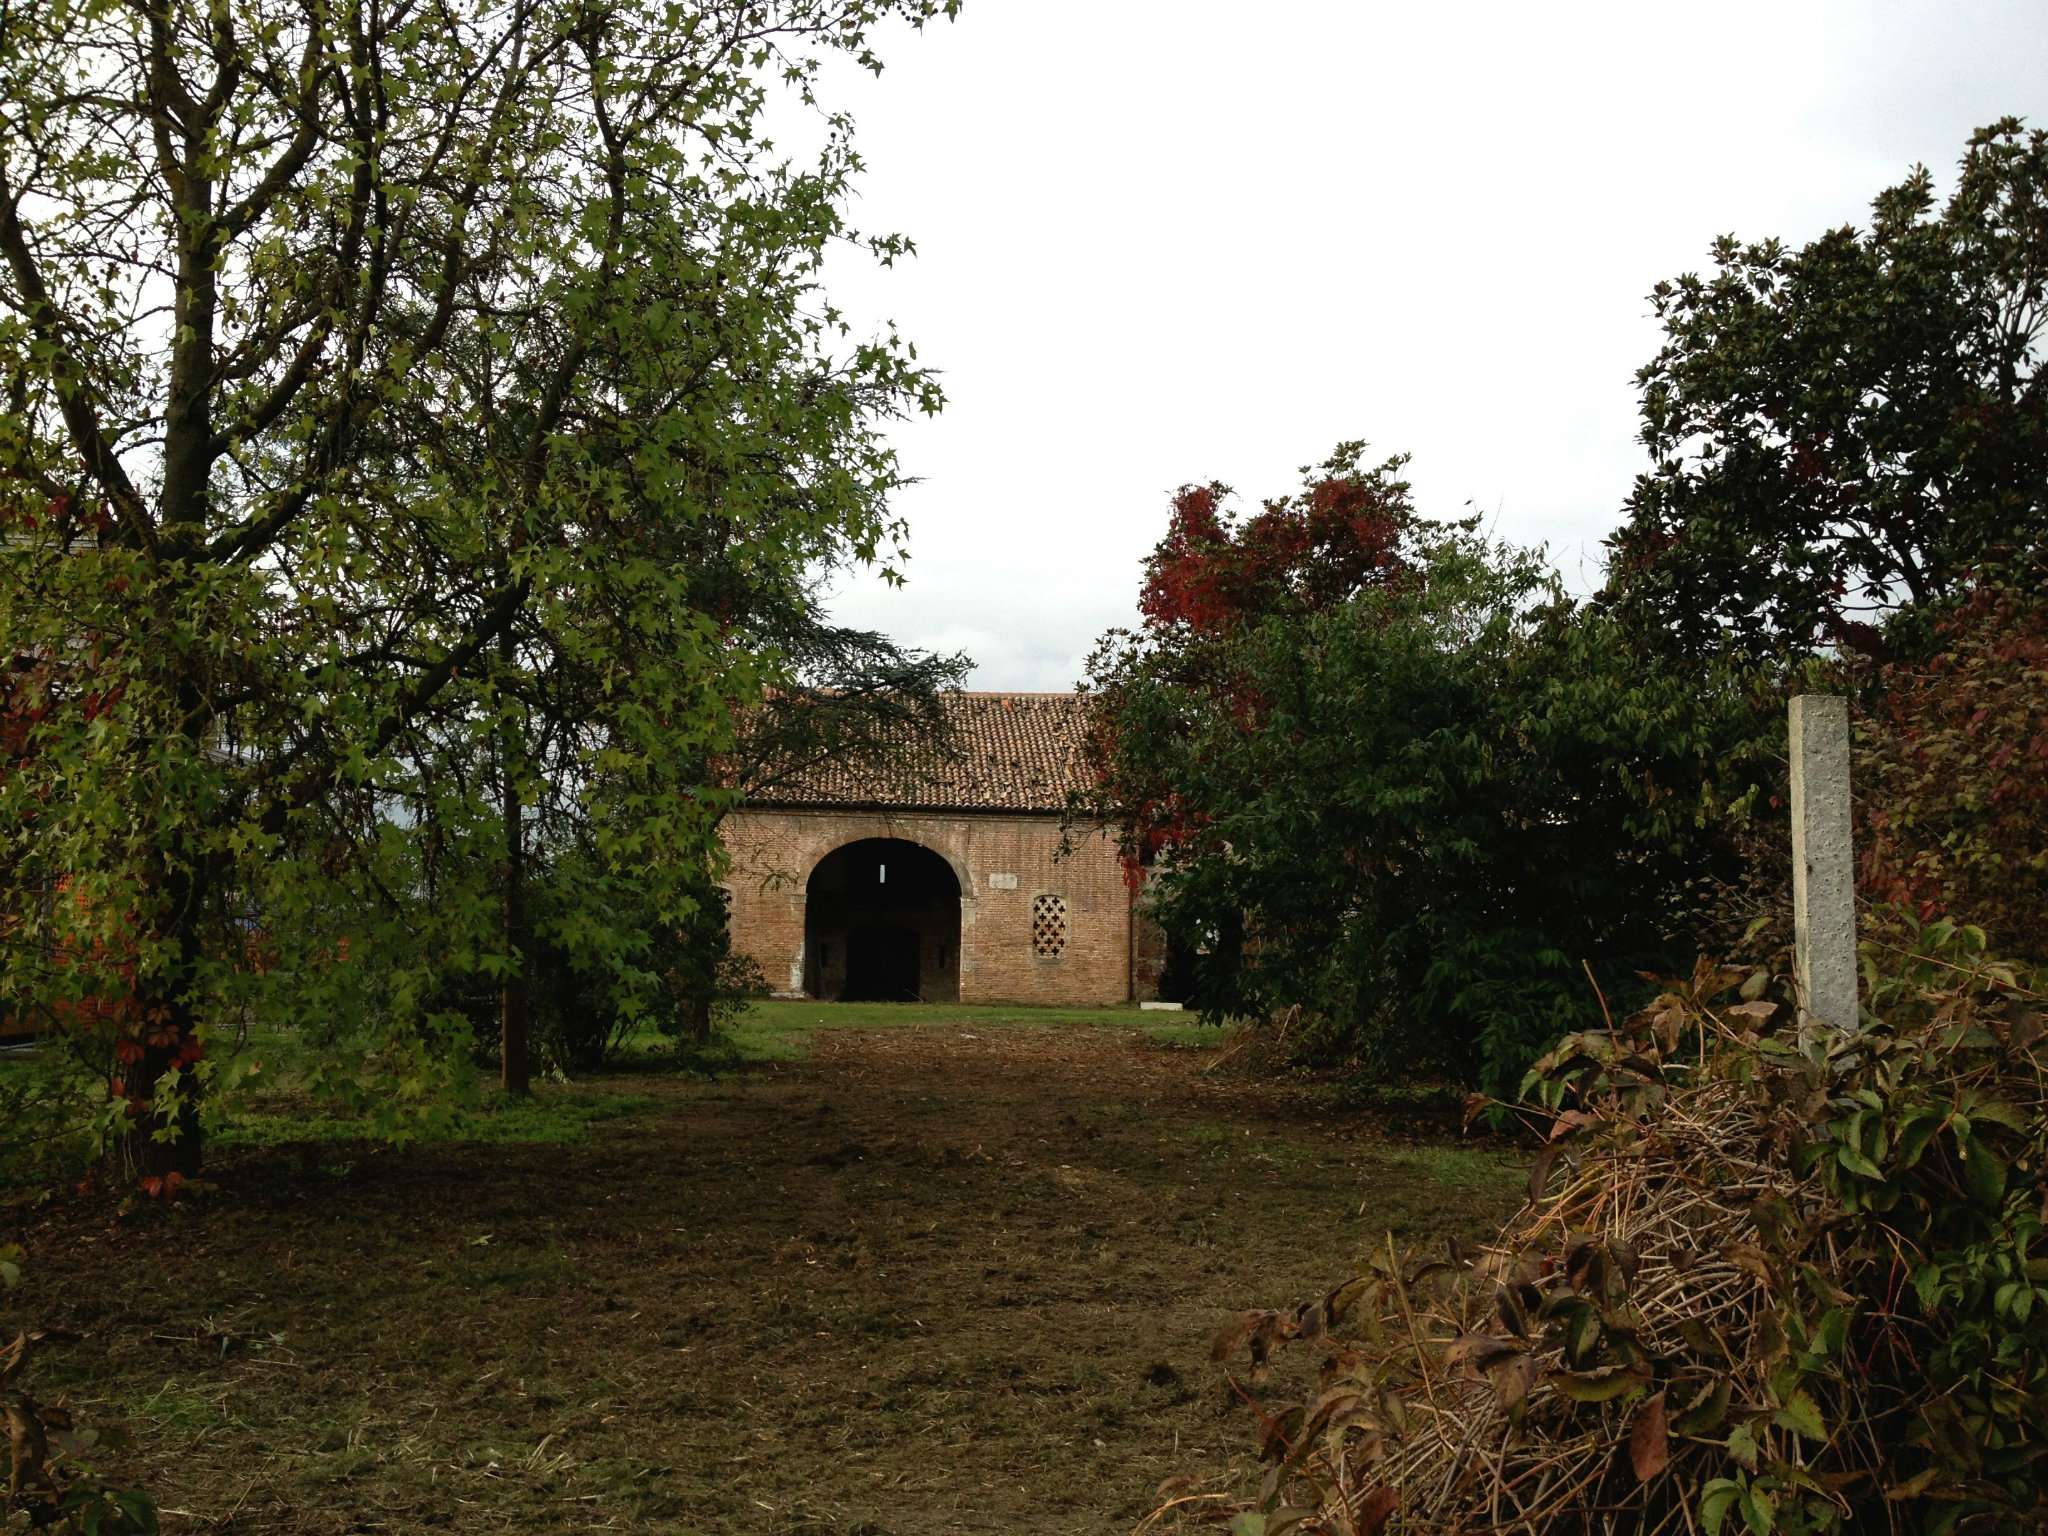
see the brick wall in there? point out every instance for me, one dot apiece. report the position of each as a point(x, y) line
point(1003, 863)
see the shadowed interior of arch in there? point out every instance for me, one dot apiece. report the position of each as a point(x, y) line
point(882, 924)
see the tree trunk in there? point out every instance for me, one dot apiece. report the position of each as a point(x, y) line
point(163, 1026)
point(515, 1073)
point(183, 1150)
point(697, 1016)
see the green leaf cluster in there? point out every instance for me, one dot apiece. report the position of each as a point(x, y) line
point(1850, 425)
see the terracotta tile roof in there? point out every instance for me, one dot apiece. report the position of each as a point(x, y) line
point(1003, 752)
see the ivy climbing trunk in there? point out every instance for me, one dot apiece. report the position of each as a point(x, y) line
point(159, 1045)
point(163, 1138)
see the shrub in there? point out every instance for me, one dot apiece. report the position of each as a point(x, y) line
point(679, 980)
point(736, 983)
point(53, 1104)
point(1769, 1280)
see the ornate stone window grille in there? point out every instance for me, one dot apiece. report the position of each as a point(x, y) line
point(1048, 926)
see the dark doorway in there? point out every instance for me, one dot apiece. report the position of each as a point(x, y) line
point(882, 965)
point(882, 924)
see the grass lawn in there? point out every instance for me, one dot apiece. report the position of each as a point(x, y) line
point(783, 1031)
point(892, 1270)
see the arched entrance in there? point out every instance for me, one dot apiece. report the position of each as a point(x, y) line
point(882, 924)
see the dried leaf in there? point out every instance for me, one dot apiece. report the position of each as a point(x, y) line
point(1750, 1258)
point(1475, 1352)
point(1539, 1172)
point(1649, 1444)
point(1513, 1315)
point(1569, 1121)
point(1667, 1023)
point(1375, 1510)
point(1512, 1380)
point(1913, 1486)
point(1344, 1297)
point(1703, 1415)
point(1231, 1338)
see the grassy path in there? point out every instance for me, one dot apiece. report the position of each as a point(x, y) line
point(955, 1275)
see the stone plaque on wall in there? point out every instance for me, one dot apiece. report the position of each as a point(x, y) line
point(1002, 882)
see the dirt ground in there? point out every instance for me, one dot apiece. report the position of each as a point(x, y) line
point(932, 1280)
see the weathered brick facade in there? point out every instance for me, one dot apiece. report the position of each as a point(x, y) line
point(1002, 863)
point(810, 886)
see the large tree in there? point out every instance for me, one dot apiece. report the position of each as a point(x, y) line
point(355, 352)
point(1850, 425)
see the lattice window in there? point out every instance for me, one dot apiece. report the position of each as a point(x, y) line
point(1048, 925)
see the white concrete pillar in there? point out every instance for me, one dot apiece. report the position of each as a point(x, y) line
point(1823, 862)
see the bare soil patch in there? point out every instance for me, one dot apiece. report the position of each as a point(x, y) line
point(924, 1280)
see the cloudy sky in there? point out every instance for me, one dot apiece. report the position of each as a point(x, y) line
point(1165, 241)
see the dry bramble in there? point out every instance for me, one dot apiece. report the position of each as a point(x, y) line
point(1767, 1280)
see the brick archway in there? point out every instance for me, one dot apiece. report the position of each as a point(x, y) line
point(882, 924)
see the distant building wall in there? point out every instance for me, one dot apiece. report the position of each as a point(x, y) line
point(1033, 929)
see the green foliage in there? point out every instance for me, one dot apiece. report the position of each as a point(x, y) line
point(493, 390)
point(1772, 1278)
point(1952, 765)
point(52, 1102)
point(1849, 425)
point(605, 964)
point(1420, 812)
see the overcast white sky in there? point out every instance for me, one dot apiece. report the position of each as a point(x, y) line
point(1164, 241)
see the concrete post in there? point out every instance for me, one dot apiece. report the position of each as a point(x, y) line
point(1823, 863)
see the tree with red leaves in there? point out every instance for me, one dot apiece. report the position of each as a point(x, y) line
point(1348, 530)
point(1381, 768)
point(1342, 533)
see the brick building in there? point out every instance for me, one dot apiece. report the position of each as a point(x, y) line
point(940, 878)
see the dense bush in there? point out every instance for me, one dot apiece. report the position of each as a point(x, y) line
point(1381, 769)
point(1394, 777)
point(595, 984)
point(1769, 1280)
